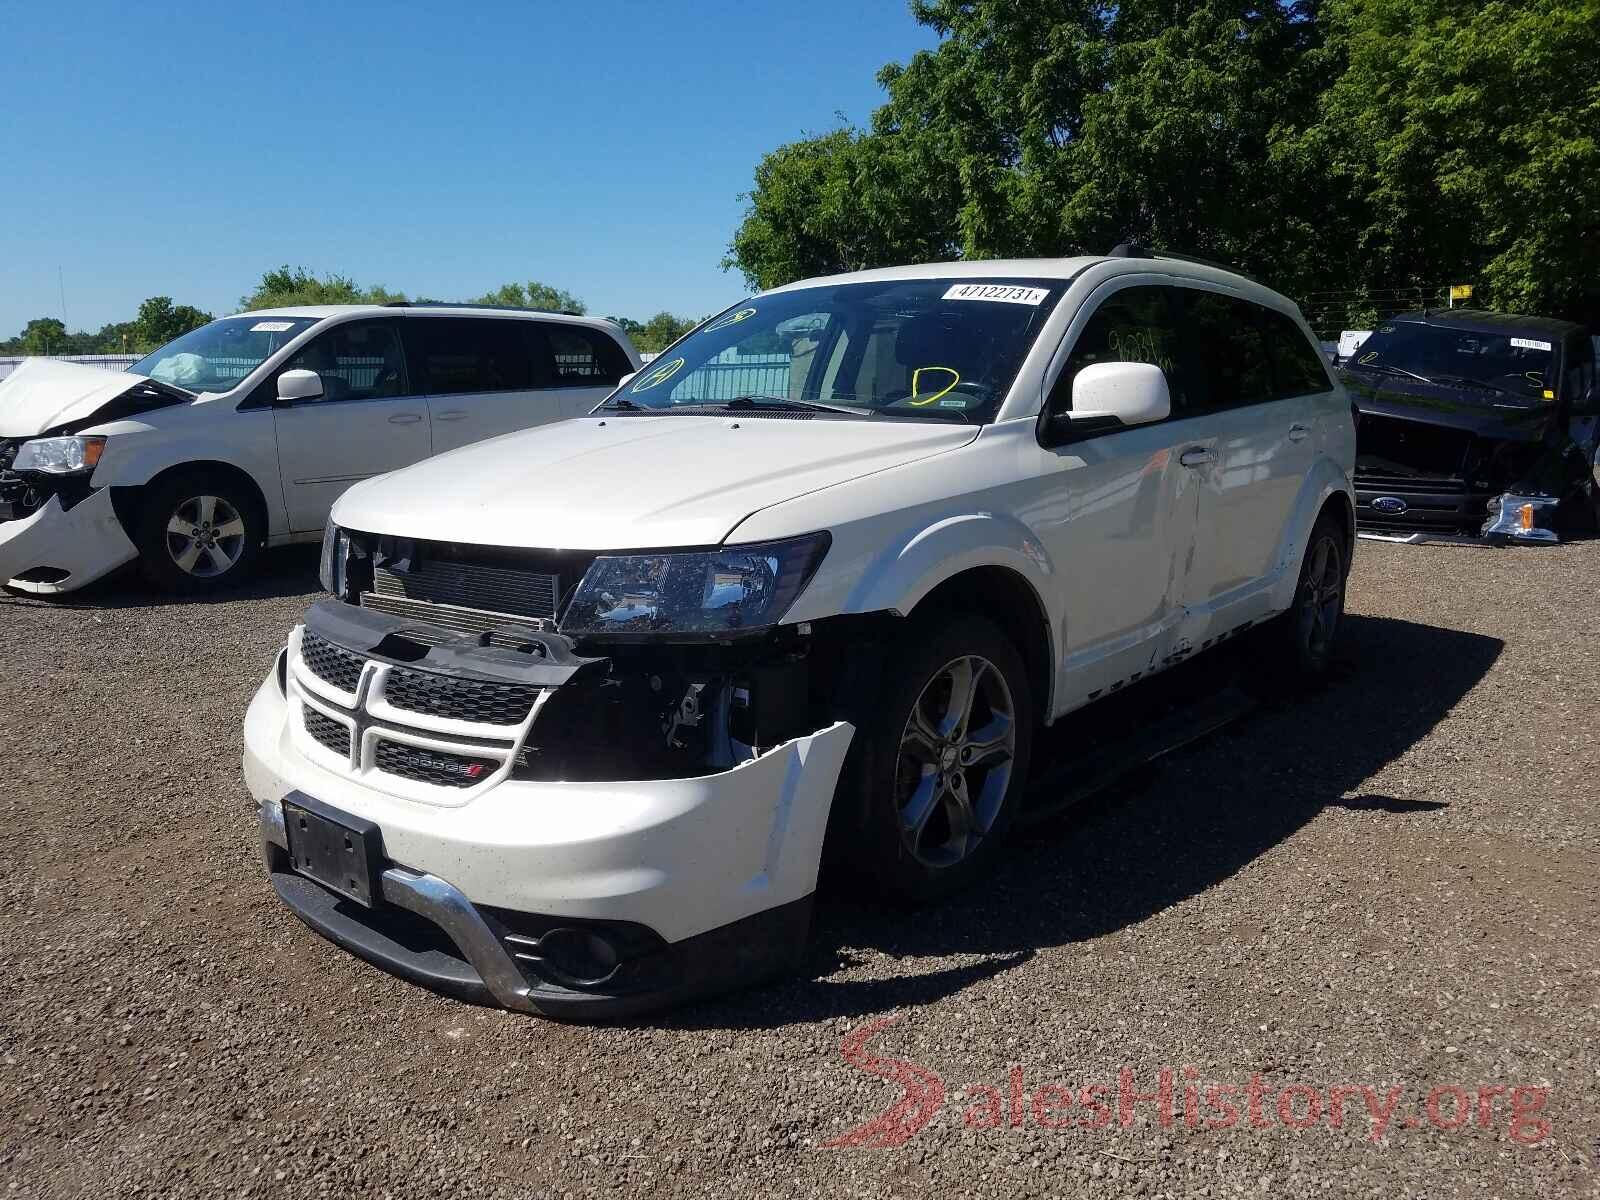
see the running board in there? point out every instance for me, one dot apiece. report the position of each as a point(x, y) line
point(1063, 787)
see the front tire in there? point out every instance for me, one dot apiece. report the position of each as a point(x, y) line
point(198, 533)
point(937, 773)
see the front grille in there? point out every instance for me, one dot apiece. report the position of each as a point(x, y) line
point(435, 695)
point(334, 665)
point(471, 585)
point(325, 731)
point(437, 767)
point(441, 623)
point(1390, 447)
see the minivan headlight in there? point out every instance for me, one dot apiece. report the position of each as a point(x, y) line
point(706, 593)
point(60, 455)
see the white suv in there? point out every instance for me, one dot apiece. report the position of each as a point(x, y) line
point(244, 432)
point(588, 705)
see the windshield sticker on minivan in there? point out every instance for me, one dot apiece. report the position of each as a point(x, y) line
point(917, 400)
point(658, 375)
point(1004, 293)
point(744, 314)
point(272, 327)
point(1530, 344)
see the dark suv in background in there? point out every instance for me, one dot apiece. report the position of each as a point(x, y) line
point(1474, 424)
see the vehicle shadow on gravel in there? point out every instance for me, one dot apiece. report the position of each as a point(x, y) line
point(1161, 834)
point(280, 573)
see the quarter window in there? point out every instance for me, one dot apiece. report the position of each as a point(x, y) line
point(583, 357)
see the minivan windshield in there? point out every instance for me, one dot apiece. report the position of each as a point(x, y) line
point(916, 349)
point(217, 357)
point(1493, 365)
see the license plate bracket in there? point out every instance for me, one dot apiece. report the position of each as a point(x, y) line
point(336, 849)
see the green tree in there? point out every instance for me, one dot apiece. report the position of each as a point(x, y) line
point(533, 295)
point(44, 335)
point(159, 321)
point(1461, 138)
point(659, 332)
point(288, 286)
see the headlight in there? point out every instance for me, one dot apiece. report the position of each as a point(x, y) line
point(60, 455)
point(704, 593)
point(335, 549)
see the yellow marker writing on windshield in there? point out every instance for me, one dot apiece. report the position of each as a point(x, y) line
point(744, 314)
point(658, 375)
point(916, 386)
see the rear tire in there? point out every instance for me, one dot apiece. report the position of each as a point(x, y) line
point(939, 762)
point(1296, 647)
point(198, 533)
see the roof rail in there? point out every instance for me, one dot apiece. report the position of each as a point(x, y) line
point(1135, 250)
point(1128, 250)
point(560, 312)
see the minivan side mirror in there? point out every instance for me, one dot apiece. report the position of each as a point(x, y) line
point(626, 379)
point(295, 386)
point(1110, 396)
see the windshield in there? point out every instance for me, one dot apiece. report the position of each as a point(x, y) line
point(217, 357)
point(1496, 364)
point(922, 349)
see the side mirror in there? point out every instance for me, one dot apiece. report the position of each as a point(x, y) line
point(296, 386)
point(626, 379)
point(1109, 396)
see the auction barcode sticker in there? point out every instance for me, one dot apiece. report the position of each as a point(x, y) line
point(1004, 292)
point(272, 327)
point(1530, 344)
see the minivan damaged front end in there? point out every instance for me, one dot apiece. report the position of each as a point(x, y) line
point(574, 827)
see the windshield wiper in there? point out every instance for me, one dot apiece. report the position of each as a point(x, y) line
point(1394, 371)
point(623, 404)
point(784, 404)
point(1477, 383)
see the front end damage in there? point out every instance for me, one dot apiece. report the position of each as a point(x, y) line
point(56, 533)
point(573, 830)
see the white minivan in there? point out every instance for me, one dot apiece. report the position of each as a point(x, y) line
point(587, 706)
point(242, 434)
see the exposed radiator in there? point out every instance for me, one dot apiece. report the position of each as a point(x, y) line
point(470, 586)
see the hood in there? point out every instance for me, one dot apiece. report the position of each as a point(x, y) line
point(632, 482)
point(44, 394)
point(1468, 410)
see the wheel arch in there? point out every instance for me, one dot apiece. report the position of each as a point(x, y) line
point(128, 500)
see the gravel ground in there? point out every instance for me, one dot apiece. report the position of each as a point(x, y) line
point(1390, 883)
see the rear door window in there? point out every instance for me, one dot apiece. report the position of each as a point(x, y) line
point(452, 356)
point(1297, 368)
point(1225, 338)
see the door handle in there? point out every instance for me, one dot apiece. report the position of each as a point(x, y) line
point(1299, 433)
point(404, 419)
point(1197, 456)
point(455, 414)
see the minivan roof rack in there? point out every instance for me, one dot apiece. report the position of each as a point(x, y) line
point(560, 312)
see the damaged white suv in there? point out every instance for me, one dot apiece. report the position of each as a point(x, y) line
point(589, 704)
point(242, 433)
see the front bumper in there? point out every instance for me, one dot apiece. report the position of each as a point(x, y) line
point(700, 883)
point(65, 547)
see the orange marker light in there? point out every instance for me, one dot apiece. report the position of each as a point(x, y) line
point(1527, 516)
point(93, 448)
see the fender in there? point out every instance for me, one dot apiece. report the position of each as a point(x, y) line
point(1325, 479)
point(136, 452)
point(894, 573)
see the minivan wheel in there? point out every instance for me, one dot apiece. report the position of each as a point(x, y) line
point(197, 533)
point(938, 767)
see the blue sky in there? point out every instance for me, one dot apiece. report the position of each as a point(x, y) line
point(441, 149)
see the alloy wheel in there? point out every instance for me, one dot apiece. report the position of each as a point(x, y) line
point(206, 536)
point(955, 763)
point(1321, 600)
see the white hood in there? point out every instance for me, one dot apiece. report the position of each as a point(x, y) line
point(43, 393)
point(632, 482)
